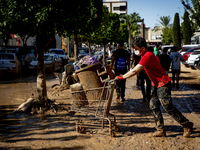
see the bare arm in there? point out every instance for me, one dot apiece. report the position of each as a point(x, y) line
point(133, 71)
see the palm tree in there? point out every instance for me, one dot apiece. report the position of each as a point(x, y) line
point(165, 20)
point(132, 26)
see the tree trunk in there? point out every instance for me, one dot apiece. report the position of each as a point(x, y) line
point(75, 48)
point(42, 42)
point(129, 35)
point(90, 50)
point(41, 77)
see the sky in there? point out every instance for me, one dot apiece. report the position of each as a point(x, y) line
point(152, 10)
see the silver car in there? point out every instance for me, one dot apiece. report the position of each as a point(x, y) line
point(52, 63)
point(10, 63)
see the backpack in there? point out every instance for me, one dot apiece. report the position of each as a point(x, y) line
point(121, 63)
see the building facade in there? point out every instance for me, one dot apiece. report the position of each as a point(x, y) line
point(119, 7)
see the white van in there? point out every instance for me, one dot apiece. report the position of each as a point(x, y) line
point(185, 48)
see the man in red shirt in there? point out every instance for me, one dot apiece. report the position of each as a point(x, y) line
point(162, 89)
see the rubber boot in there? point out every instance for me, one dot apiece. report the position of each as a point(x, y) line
point(159, 133)
point(187, 129)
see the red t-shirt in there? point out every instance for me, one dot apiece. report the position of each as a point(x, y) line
point(154, 70)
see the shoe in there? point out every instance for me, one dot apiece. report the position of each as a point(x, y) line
point(117, 98)
point(187, 129)
point(123, 99)
point(159, 133)
point(144, 98)
point(177, 86)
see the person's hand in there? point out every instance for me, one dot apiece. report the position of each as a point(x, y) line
point(119, 78)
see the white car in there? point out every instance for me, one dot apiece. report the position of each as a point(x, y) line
point(192, 58)
point(10, 63)
point(185, 48)
point(52, 63)
point(60, 53)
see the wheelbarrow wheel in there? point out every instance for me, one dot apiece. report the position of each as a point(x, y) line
point(117, 129)
point(80, 129)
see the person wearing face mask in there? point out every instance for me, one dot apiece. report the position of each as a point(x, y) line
point(162, 89)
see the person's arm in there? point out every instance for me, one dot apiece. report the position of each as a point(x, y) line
point(133, 71)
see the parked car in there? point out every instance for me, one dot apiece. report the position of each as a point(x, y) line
point(52, 63)
point(10, 49)
point(83, 51)
point(60, 53)
point(168, 47)
point(185, 48)
point(187, 54)
point(197, 63)
point(192, 58)
point(10, 63)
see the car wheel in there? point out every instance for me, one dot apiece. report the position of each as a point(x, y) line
point(198, 66)
point(192, 67)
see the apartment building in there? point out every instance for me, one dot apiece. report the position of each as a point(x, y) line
point(116, 6)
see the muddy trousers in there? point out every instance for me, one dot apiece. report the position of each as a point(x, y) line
point(162, 96)
point(120, 88)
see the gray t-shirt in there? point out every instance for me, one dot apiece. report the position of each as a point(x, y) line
point(176, 58)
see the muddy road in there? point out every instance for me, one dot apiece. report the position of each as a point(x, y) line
point(134, 119)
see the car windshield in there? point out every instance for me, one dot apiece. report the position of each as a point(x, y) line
point(6, 56)
point(83, 51)
point(8, 50)
point(57, 52)
point(195, 53)
point(48, 58)
point(187, 48)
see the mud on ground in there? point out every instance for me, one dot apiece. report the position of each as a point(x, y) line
point(58, 130)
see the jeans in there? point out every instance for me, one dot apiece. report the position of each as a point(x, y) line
point(147, 92)
point(120, 88)
point(162, 96)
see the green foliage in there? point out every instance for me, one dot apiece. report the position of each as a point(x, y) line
point(165, 20)
point(131, 22)
point(176, 31)
point(122, 33)
point(187, 29)
point(194, 11)
point(108, 30)
point(167, 35)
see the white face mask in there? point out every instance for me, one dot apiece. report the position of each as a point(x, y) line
point(137, 52)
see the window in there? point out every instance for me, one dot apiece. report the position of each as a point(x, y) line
point(158, 37)
point(153, 37)
point(122, 8)
point(116, 8)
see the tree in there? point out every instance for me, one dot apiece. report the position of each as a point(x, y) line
point(165, 21)
point(123, 33)
point(108, 30)
point(132, 26)
point(167, 35)
point(46, 18)
point(176, 31)
point(194, 11)
point(187, 29)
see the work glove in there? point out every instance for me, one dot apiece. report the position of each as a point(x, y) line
point(119, 78)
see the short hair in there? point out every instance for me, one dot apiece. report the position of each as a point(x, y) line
point(165, 50)
point(140, 42)
point(121, 43)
